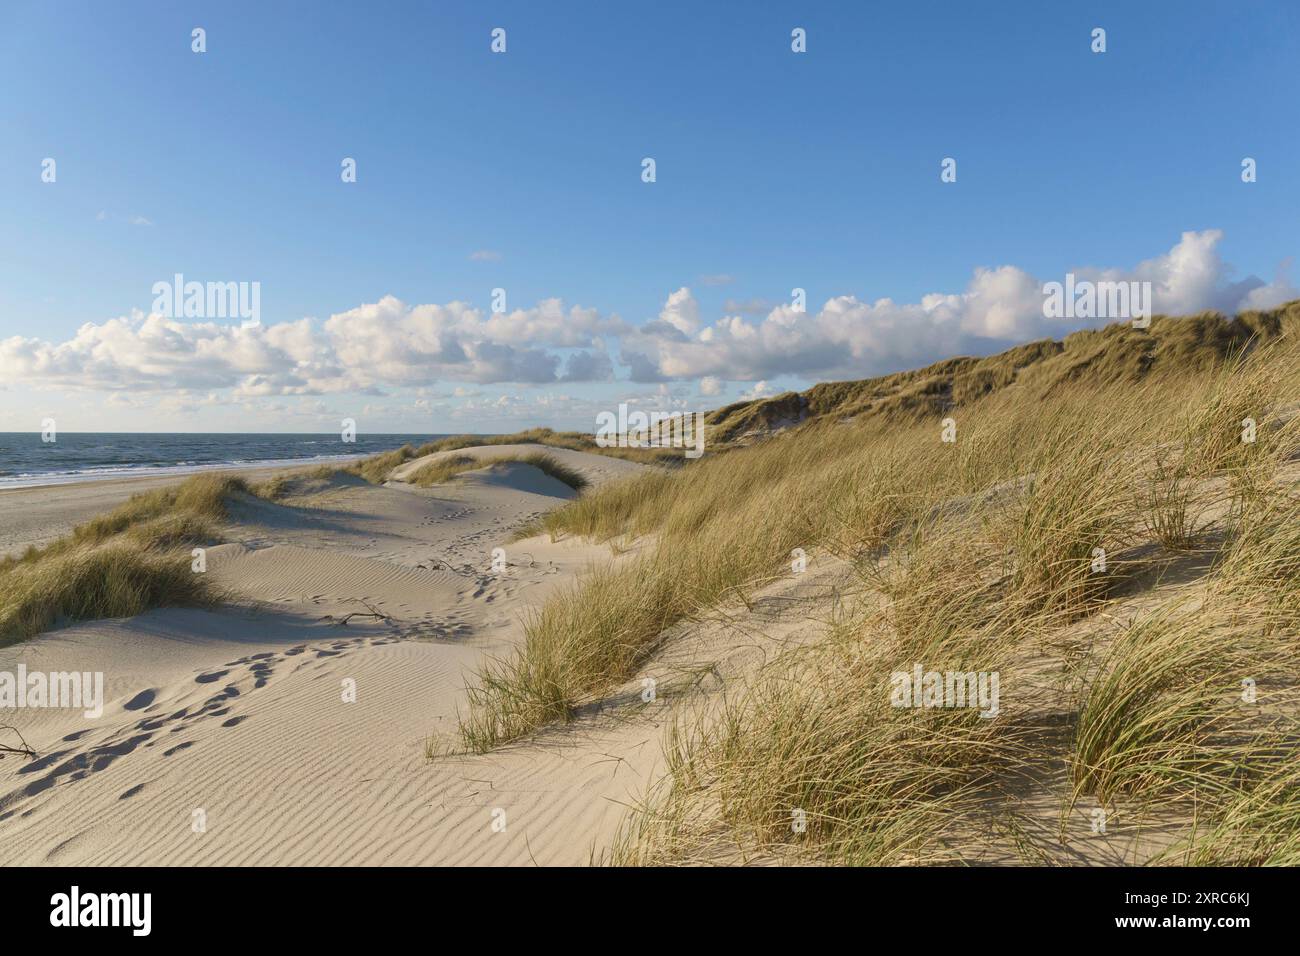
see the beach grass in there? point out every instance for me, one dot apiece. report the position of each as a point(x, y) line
point(985, 551)
point(448, 467)
point(376, 468)
point(132, 559)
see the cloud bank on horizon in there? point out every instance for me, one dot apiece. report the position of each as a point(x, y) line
point(390, 345)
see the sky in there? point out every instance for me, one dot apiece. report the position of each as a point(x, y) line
point(523, 171)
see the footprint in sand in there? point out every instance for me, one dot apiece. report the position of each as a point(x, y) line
point(209, 678)
point(141, 700)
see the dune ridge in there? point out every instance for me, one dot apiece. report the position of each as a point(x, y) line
point(710, 647)
point(237, 712)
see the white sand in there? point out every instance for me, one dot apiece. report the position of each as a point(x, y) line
point(39, 515)
point(238, 713)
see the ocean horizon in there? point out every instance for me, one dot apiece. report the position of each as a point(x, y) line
point(28, 461)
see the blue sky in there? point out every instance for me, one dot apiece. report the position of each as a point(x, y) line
point(522, 171)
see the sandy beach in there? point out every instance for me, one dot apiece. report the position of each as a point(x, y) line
point(43, 513)
point(225, 736)
point(689, 441)
point(313, 715)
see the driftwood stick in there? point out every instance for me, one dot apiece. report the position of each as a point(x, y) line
point(434, 563)
point(24, 751)
point(371, 611)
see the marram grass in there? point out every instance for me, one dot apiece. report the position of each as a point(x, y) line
point(136, 557)
point(1042, 513)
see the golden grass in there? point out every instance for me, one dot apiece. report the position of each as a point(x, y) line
point(1166, 688)
point(1201, 699)
point(1079, 469)
point(436, 472)
point(136, 557)
point(113, 580)
point(1118, 353)
point(1049, 502)
point(834, 776)
point(1258, 826)
point(575, 441)
point(448, 467)
point(376, 468)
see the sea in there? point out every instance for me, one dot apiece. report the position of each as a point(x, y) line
point(27, 461)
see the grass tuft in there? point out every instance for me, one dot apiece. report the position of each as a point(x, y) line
point(122, 563)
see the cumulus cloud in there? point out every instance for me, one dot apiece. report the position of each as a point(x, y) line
point(590, 365)
point(1274, 293)
point(377, 345)
point(152, 352)
point(389, 344)
point(681, 312)
point(851, 338)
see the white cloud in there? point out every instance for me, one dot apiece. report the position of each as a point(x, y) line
point(485, 255)
point(381, 344)
point(1274, 293)
point(592, 365)
point(851, 338)
point(391, 345)
point(147, 352)
point(681, 312)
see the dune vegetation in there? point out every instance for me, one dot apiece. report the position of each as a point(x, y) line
point(1115, 536)
point(1109, 524)
point(376, 468)
point(1113, 354)
point(449, 466)
point(134, 558)
point(137, 556)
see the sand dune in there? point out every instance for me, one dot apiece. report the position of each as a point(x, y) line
point(595, 468)
point(236, 718)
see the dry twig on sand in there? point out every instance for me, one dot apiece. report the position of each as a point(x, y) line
point(370, 611)
point(25, 750)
